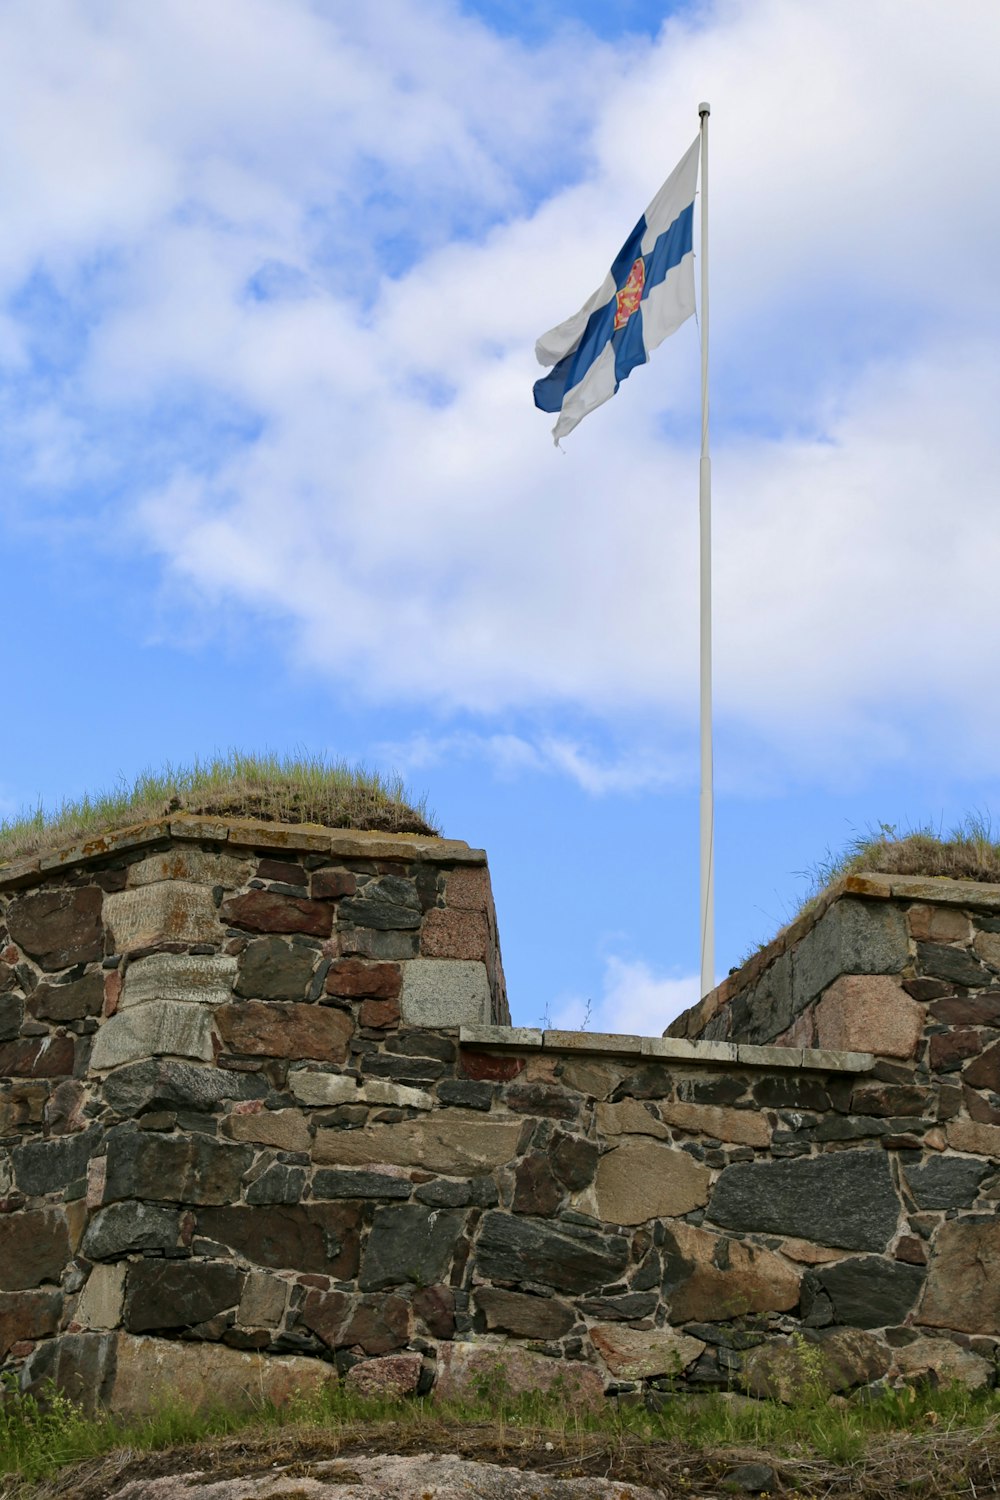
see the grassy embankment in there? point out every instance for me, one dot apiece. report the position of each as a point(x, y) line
point(283, 789)
point(918, 1442)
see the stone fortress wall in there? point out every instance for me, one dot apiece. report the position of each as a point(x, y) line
point(264, 1124)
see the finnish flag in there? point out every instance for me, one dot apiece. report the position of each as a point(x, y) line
point(647, 294)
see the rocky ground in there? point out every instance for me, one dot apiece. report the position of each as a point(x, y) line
point(386, 1461)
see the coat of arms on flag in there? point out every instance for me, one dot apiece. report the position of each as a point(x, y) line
point(647, 294)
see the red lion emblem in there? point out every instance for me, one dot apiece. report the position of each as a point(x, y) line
point(630, 296)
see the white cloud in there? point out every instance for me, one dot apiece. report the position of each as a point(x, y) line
point(633, 1001)
point(382, 483)
point(636, 769)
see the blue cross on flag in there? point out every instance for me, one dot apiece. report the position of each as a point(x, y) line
point(647, 294)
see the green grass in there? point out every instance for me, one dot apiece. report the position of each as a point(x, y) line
point(922, 1440)
point(284, 789)
point(968, 852)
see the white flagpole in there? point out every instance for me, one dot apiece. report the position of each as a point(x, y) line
point(707, 801)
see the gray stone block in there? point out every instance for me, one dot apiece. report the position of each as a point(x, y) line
point(129, 1226)
point(500, 1036)
point(170, 911)
point(171, 1028)
point(869, 1292)
point(162, 1083)
point(200, 978)
point(445, 992)
point(852, 937)
point(844, 1198)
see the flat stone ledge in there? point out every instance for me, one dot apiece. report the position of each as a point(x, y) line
point(343, 843)
point(669, 1049)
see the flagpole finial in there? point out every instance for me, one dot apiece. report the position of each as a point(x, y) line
point(704, 109)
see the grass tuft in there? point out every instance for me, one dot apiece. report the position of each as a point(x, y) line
point(275, 788)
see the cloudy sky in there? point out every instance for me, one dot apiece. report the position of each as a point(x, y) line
point(271, 272)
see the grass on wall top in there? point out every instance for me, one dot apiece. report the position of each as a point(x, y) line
point(969, 852)
point(282, 789)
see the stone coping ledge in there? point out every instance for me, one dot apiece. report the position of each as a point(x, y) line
point(666, 1049)
point(241, 833)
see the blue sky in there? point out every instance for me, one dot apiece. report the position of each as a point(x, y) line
point(271, 272)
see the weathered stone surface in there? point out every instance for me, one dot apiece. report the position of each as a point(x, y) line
point(135, 1377)
point(162, 1083)
point(34, 1248)
point(870, 1012)
point(102, 1299)
point(277, 1183)
point(487, 1067)
point(267, 911)
point(38, 1057)
point(637, 1353)
point(381, 1015)
point(330, 885)
point(639, 1180)
point(843, 1358)
point(64, 1108)
point(409, 1243)
point(938, 924)
point(68, 1002)
point(389, 1376)
point(948, 1050)
point(285, 1129)
point(457, 1142)
point(388, 904)
point(707, 1278)
point(453, 933)
point(536, 1189)
point(263, 1028)
point(968, 1010)
point(522, 1315)
point(386, 1183)
point(371, 942)
point(969, 1135)
point(58, 928)
point(869, 1292)
point(466, 1370)
point(324, 1089)
point(854, 937)
point(984, 1071)
point(21, 1103)
point(574, 1160)
point(273, 969)
point(176, 911)
point(171, 1028)
point(843, 1198)
point(173, 1169)
point(313, 1237)
point(263, 1302)
point(178, 1294)
point(746, 1127)
point(129, 1226)
point(376, 1325)
point(11, 1016)
point(957, 965)
point(27, 1315)
point(191, 864)
point(630, 1117)
point(204, 978)
point(943, 1182)
point(943, 1362)
point(515, 1249)
point(355, 978)
point(445, 992)
point(963, 1281)
point(434, 1307)
point(50, 1166)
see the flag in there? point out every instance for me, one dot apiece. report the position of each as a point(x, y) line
point(647, 294)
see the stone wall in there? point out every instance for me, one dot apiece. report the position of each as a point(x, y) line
point(262, 1124)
